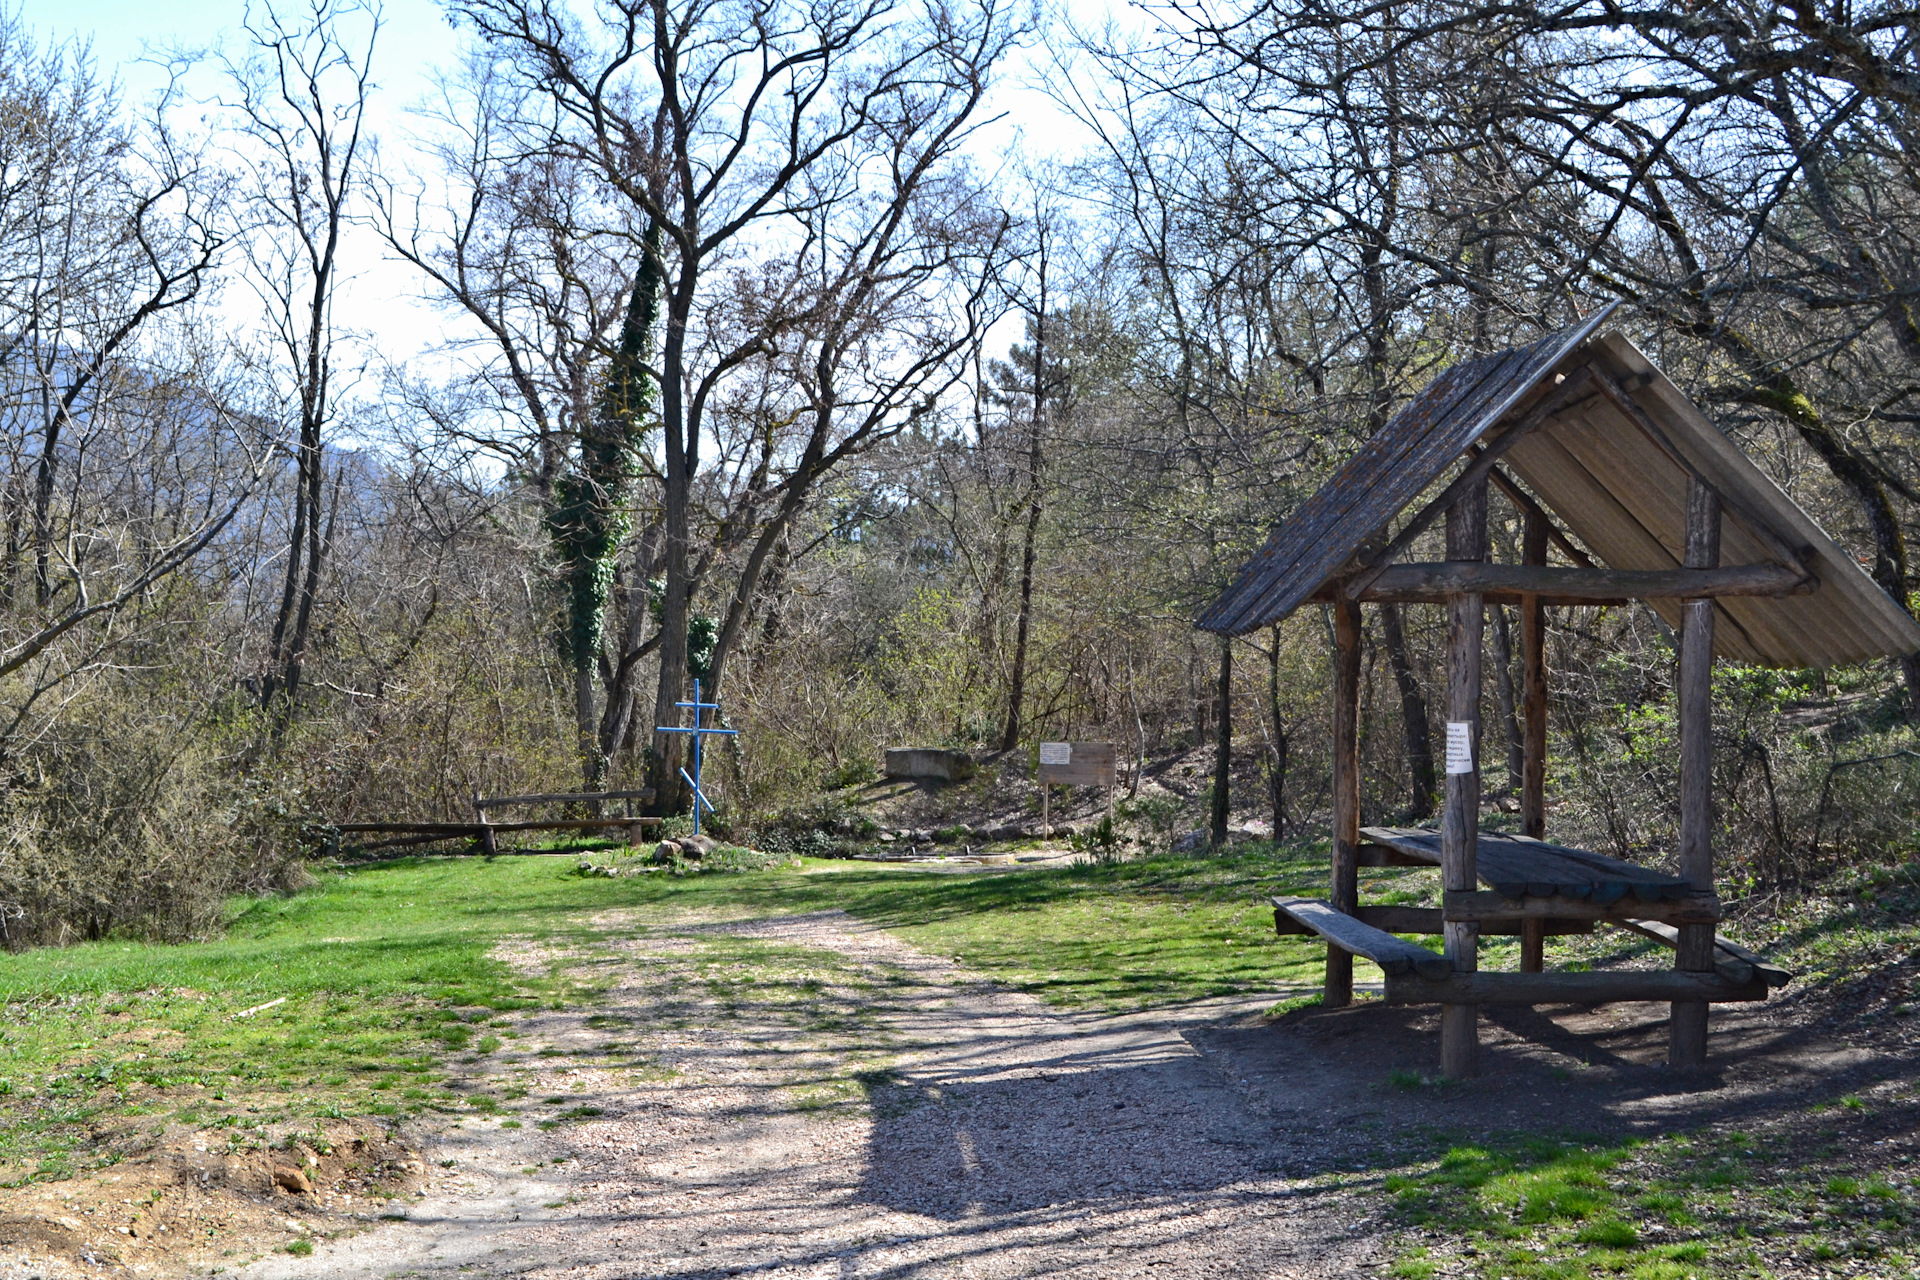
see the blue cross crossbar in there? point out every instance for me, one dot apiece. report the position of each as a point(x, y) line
point(699, 731)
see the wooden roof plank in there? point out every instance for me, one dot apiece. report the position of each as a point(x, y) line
point(1388, 472)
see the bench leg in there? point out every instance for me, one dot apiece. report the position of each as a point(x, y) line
point(1533, 945)
point(1687, 1022)
point(1339, 987)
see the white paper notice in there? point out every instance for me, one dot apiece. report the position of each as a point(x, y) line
point(1056, 753)
point(1459, 746)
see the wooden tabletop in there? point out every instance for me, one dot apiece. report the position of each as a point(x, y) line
point(1517, 867)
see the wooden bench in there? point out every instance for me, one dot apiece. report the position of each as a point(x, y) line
point(1538, 890)
point(1394, 956)
point(1418, 975)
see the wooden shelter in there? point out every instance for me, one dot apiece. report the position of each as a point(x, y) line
point(1643, 498)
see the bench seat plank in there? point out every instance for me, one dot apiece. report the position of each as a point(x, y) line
point(1393, 955)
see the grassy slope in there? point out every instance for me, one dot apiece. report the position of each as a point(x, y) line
point(384, 970)
point(387, 970)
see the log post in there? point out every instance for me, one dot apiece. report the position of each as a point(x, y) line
point(1222, 749)
point(1533, 697)
point(1345, 888)
point(1460, 820)
point(484, 836)
point(1687, 1031)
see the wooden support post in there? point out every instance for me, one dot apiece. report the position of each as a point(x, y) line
point(1345, 889)
point(1222, 748)
point(484, 836)
point(1460, 820)
point(1533, 699)
point(1533, 662)
point(1687, 1032)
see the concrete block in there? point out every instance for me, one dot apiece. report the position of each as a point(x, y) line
point(928, 762)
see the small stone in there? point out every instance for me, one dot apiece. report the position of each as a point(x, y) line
point(292, 1180)
point(698, 845)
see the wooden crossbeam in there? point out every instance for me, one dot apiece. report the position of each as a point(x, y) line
point(1440, 580)
point(1480, 904)
point(1604, 987)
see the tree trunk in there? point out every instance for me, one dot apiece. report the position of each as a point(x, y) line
point(1277, 768)
point(1413, 716)
point(1504, 691)
point(1223, 746)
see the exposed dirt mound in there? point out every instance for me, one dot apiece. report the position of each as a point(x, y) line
point(188, 1202)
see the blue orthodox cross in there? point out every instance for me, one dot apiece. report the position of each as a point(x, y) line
point(698, 731)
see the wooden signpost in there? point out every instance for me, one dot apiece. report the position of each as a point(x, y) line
point(1073, 764)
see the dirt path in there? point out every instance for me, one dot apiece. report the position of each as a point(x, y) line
point(958, 1131)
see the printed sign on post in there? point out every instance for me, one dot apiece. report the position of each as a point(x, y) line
point(1459, 746)
point(1077, 764)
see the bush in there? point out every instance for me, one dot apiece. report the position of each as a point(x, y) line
point(139, 830)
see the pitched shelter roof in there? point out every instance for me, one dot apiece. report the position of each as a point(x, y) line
point(1613, 475)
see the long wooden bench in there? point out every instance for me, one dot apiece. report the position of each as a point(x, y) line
point(1395, 956)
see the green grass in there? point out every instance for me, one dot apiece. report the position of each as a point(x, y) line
point(383, 972)
point(1527, 1207)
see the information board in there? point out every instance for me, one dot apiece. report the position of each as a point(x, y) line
point(1076, 764)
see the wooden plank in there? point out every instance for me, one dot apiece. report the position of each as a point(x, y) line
point(1379, 855)
point(456, 827)
point(1605, 987)
point(1734, 961)
point(561, 797)
point(1523, 866)
point(1355, 938)
point(1478, 905)
point(1403, 841)
point(1344, 874)
point(1428, 921)
point(1424, 581)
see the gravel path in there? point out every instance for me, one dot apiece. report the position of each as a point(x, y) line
point(990, 1137)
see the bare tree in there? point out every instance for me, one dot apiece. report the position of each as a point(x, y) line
point(778, 148)
point(300, 100)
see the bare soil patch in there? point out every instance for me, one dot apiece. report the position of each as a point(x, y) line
point(183, 1201)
